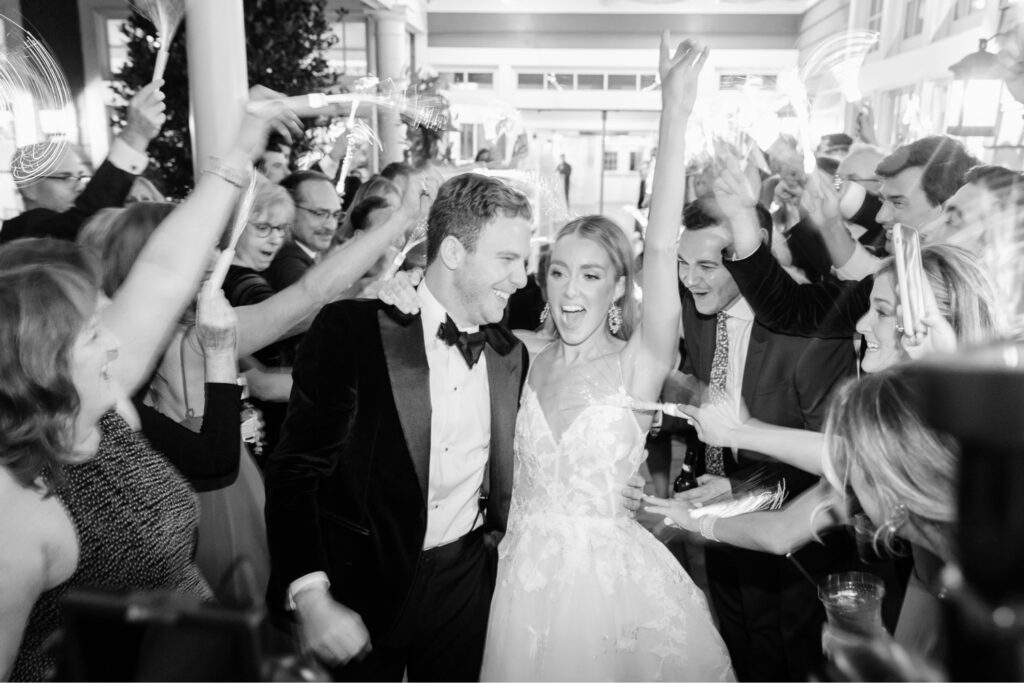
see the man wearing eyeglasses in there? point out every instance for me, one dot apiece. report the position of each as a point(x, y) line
point(317, 212)
point(59, 197)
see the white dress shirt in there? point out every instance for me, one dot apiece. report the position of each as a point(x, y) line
point(125, 157)
point(738, 324)
point(460, 431)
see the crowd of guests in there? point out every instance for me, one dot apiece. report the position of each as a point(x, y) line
point(123, 465)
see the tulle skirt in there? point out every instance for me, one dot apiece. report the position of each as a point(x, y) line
point(579, 598)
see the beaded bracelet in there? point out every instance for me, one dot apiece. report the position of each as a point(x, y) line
point(707, 527)
point(239, 177)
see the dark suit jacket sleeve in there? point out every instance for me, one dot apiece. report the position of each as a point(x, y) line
point(835, 361)
point(822, 309)
point(108, 187)
point(318, 422)
point(209, 459)
point(287, 269)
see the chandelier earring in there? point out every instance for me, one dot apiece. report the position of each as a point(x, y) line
point(614, 318)
point(545, 313)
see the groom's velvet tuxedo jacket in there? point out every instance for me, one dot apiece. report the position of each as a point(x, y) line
point(347, 485)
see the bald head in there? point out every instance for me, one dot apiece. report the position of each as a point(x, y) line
point(859, 166)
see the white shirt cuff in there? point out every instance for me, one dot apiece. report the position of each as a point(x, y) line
point(123, 156)
point(314, 579)
point(860, 265)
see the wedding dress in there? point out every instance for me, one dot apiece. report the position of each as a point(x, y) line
point(584, 592)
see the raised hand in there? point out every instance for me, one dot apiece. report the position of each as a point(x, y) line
point(216, 322)
point(819, 201)
point(145, 116)
point(733, 193)
point(679, 73)
point(264, 113)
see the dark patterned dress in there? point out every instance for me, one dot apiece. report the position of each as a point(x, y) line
point(135, 517)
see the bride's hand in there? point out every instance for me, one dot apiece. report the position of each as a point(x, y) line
point(675, 511)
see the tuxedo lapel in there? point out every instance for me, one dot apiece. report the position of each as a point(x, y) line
point(503, 374)
point(410, 386)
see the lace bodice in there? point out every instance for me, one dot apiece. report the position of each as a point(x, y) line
point(582, 471)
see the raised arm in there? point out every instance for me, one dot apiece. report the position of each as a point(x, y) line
point(656, 343)
point(291, 310)
point(822, 309)
point(167, 272)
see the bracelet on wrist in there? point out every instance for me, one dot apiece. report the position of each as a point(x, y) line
point(239, 177)
point(707, 527)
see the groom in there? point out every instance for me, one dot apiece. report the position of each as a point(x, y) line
point(396, 455)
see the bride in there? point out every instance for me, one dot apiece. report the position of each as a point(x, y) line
point(583, 591)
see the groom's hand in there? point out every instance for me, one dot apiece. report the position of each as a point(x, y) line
point(633, 494)
point(334, 632)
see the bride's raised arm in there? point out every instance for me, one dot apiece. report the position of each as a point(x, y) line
point(657, 341)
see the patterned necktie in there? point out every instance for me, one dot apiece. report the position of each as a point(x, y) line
point(713, 460)
point(469, 344)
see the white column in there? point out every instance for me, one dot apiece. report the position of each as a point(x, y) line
point(392, 59)
point(217, 76)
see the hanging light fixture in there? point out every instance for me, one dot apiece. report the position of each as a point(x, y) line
point(975, 95)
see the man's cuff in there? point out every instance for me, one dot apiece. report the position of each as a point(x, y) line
point(312, 580)
point(860, 265)
point(126, 158)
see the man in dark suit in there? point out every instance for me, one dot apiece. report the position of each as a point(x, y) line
point(769, 615)
point(398, 429)
point(59, 199)
point(317, 211)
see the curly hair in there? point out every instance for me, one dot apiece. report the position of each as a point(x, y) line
point(42, 311)
point(613, 240)
point(465, 204)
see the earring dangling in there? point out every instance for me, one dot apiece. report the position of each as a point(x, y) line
point(545, 313)
point(899, 517)
point(614, 318)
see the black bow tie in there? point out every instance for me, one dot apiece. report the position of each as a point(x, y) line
point(469, 344)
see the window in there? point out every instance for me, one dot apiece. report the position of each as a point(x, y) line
point(480, 79)
point(622, 81)
point(747, 81)
point(553, 81)
point(531, 81)
point(117, 47)
point(963, 8)
point(348, 54)
point(875, 19)
point(913, 23)
point(648, 82)
point(611, 161)
point(634, 161)
point(590, 82)
point(470, 80)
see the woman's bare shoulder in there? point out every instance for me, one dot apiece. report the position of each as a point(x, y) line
point(36, 533)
